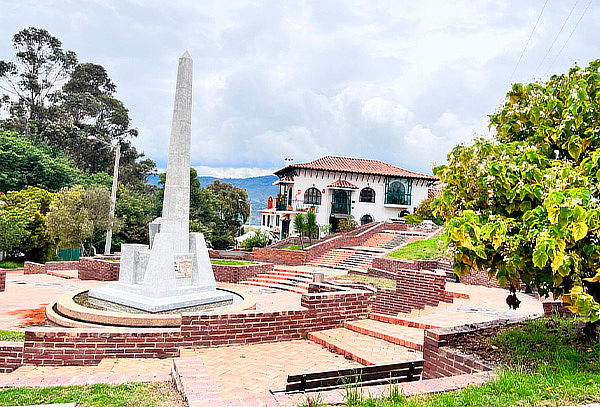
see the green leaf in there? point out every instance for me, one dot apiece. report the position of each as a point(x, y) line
point(540, 255)
point(579, 230)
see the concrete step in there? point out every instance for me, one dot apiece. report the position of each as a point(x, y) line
point(400, 321)
point(398, 334)
point(364, 349)
point(275, 286)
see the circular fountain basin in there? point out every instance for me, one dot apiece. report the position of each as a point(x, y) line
point(73, 310)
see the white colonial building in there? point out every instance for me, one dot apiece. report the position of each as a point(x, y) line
point(340, 187)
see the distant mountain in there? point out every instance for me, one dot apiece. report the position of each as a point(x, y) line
point(259, 190)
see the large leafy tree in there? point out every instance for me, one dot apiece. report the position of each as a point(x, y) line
point(40, 66)
point(233, 210)
point(26, 163)
point(25, 228)
point(76, 213)
point(525, 206)
point(51, 98)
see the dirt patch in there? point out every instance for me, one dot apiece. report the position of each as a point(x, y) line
point(479, 343)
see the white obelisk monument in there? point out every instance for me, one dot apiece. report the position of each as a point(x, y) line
point(175, 270)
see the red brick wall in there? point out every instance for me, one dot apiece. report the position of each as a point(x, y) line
point(555, 307)
point(97, 269)
point(11, 356)
point(476, 277)
point(279, 256)
point(442, 361)
point(62, 346)
point(2, 280)
point(235, 274)
point(392, 264)
point(68, 347)
point(33, 268)
point(61, 265)
point(415, 289)
point(323, 311)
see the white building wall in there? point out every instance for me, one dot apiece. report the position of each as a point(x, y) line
point(377, 210)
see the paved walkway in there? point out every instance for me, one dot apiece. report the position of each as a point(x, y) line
point(26, 297)
point(252, 370)
point(111, 371)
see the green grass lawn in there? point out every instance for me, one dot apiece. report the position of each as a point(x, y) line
point(11, 264)
point(428, 249)
point(12, 336)
point(221, 262)
point(296, 247)
point(99, 395)
point(545, 363)
point(374, 281)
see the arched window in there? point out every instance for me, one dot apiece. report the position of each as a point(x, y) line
point(312, 196)
point(366, 219)
point(398, 193)
point(367, 195)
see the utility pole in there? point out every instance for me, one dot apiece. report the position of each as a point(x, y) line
point(113, 200)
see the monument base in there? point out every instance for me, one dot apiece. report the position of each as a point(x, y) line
point(182, 298)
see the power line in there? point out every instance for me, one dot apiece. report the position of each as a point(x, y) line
point(556, 37)
point(527, 43)
point(569, 37)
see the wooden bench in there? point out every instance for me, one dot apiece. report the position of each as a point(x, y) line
point(360, 376)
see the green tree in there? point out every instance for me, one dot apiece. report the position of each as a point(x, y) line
point(13, 226)
point(232, 210)
point(425, 211)
point(260, 238)
point(33, 77)
point(51, 98)
point(76, 213)
point(300, 226)
point(134, 209)
point(524, 207)
point(31, 204)
point(312, 227)
point(26, 163)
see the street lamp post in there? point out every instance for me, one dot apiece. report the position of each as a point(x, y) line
point(113, 196)
point(113, 200)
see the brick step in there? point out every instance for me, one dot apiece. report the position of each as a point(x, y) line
point(288, 274)
point(399, 334)
point(68, 274)
point(363, 349)
point(400, 321)
point(290, 282)
point(274, 286)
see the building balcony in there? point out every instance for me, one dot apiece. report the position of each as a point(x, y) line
point(281, 205)
point(397, 199)
point(340, 208)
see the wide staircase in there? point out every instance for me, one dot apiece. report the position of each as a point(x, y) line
point(286, 278)
point(377, 340)
point(360, 258)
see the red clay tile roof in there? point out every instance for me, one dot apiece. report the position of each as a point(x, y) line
point(356, 165)
point(342, 184)
point(284, 180)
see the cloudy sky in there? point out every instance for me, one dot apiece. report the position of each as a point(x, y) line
point(400, 81)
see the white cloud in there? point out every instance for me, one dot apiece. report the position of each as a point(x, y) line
point(400, 81)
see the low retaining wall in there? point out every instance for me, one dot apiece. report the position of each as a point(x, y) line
point(280, 256)
point(61, 265)
point(392, 264)
point(415, 289)
point(2, 281)
point(274, 254)
point(51, 346)
point(477, 277)
point(11, 356)
point(33, 268)
point(92, 268)
point(443, 361)
point(235, 274)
